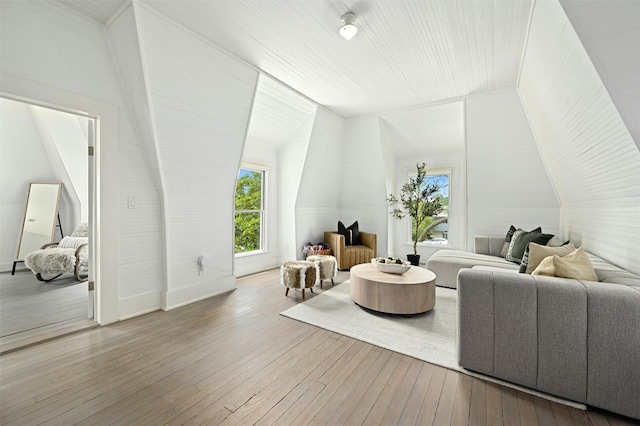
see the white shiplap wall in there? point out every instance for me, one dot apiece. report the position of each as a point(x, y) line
point(591, 157)
point(291, 161)
point(362, 173)
point(46, 44)
point(201, 102)
point(507, 183)
point(317, 206)
point(125, 47)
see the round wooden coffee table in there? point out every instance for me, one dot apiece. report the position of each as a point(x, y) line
point(411, 293)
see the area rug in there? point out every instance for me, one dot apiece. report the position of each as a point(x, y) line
point(430, 336)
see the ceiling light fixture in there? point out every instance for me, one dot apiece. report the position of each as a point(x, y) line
point(348, 29)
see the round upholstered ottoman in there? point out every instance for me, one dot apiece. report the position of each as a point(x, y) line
point(298, 274)
point(327, 266)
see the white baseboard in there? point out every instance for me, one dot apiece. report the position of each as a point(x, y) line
point(139, 305)
point(186, 295)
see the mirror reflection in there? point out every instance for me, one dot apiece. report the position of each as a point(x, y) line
point(40, 216)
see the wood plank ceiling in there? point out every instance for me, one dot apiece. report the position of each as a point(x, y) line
point(406, 53)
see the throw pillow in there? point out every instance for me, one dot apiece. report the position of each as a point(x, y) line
point(519, 243)
point(509, 236)
point(534, 253)
point(575, 265)
point(72, 242)
point(351, 234)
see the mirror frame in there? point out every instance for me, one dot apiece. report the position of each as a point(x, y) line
point(24, 217)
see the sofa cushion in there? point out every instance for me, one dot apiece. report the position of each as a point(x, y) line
point(521, 239)
point(447, 263)
point(575, 265)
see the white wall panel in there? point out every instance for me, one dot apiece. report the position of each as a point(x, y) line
point(507, 183)
point(317, 206)
point(291, 161)
point(589, 153)
point(200, 102)
point(363, 195)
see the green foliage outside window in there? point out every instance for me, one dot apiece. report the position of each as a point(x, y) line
point(427, 229)
point(248, 205)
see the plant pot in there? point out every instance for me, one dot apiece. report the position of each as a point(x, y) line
point(414, 259)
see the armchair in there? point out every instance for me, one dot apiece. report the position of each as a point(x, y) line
point(348, 256)
point(70, 255)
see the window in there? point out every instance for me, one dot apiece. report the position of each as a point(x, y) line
point(435, 229)
point(250, 211)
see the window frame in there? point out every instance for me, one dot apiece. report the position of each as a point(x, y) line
point(432, 172)
point(262, 211)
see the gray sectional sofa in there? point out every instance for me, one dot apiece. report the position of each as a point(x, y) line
point(578, 340)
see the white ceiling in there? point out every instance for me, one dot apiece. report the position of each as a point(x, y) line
point(407, 52)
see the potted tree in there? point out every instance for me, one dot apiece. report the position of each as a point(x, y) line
point(420, 200)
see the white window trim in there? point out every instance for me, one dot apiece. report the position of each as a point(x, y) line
point(263, 221)
point(432, 172)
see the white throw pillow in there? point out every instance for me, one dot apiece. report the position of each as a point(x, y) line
point(575, 265)
point(72, 242)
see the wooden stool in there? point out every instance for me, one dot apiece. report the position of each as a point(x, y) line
point(298, 274)
point(327, 267)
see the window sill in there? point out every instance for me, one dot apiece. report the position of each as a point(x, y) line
point(251, 253)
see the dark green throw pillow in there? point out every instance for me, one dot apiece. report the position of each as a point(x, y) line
point(521, 239)
point(507, 239)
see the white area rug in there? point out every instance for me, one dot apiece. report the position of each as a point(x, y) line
point(430, 337)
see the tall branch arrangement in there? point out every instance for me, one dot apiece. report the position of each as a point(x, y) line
point(418, 199)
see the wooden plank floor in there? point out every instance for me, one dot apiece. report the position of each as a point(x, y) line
point(32, 311)
point(232, 359)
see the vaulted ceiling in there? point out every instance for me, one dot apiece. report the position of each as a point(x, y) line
point(407, 52)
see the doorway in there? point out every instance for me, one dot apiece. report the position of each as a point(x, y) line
point(43, 144)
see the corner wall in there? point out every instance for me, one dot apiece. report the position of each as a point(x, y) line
point(200, 100)
point(590, 155)
point(507, 183)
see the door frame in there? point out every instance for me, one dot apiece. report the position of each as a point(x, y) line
point(104, 197)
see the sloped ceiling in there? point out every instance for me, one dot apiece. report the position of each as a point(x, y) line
point(277, 112)
point(406, 53)
point(610, 33)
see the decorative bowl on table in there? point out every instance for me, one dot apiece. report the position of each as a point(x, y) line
point(391, 265)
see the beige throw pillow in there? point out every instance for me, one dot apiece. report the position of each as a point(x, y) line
point(538, 252)
point(575, 265)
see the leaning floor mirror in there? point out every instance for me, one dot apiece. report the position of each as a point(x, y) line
point(39, 220)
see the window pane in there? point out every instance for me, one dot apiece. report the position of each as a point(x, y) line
point(249, 190)
point(435, 229)
point(247, 231)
